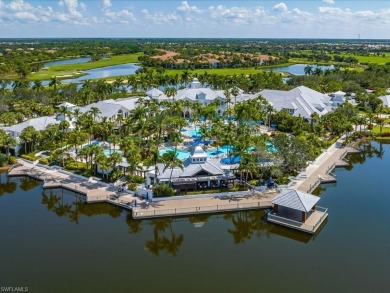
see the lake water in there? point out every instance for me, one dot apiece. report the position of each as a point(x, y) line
point(103, 72)
point(299, 69)
point(52, 241)
point(68, 61)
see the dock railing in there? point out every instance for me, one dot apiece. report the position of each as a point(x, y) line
point(144, 212)
point(296, 224)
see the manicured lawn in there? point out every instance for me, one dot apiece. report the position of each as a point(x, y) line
point(369, 59)
point(69, 70)
point(376, 129)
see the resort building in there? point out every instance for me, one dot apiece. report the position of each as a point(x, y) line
point(385, 100)
point(338, 98)
point(199, 172)
point(301, 101)
point(39, 124)
point(109, 109)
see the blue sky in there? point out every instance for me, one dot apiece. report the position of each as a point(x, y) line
point(201, 18)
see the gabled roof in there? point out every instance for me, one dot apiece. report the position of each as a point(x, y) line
point(154, 93)
point(303, 100)
point(296, 200)
point(38, 123)
point(211, 166)
point(109, 108)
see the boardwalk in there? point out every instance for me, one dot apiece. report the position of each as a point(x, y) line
point(101, 192)
point(318, 172)
point(96, 191)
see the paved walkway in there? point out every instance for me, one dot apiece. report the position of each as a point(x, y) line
point(318, 171)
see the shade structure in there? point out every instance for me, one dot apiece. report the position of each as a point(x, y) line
point(296, 200)
point(231, 160)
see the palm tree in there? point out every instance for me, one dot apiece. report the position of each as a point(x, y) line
point(235, 91)
point(114, 140)
point(94, 112)
point(308, 69)
point(54, 82)
point(115, 158)
point(27, 136)
point(104, 164)
point(37, 86)
point(170, 161)
point(171, 92)
point(8, 143)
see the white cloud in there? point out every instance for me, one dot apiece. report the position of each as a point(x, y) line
point(162, 17)
point(237, 15)
point(185, 7)
point(106, 4)
point(123, 16)
point(25, 16)
point(71, 7)
point(328, 1)
point(280, 7)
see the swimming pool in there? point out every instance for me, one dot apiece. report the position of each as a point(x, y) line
point(223, 150)
point(180, 154)
point(108, 152)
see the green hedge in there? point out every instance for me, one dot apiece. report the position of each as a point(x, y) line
point(3, 159)
point(29, 157)
point(12, 160)
point(43, 161)
point(73, 165)
point(163, 190)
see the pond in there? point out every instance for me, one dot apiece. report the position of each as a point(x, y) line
point(299, 69)
point(68, 61)
point(52, 241)
point(103, 72)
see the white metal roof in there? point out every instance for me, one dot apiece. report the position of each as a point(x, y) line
point(296, 200)
point(38, 123)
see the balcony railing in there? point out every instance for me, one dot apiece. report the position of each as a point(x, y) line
point(297, 224)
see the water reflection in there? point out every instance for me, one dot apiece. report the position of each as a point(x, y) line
point(7, 186)
point(72, 205)
point(162, 235)
point(168, 235)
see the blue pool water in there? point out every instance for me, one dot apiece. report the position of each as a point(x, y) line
point(107, 152)
point(193, 133)
point(182, 155)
